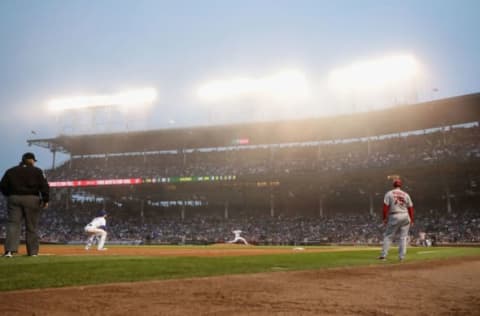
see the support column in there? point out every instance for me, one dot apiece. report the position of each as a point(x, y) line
point(225, 209)
point(370, 200)
point(67, 199)
point(449, 201)
point(54, 152)
point(320, 206)
point(272, 205)
point(142, 208)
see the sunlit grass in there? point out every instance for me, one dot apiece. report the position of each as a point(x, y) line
point(24, 272)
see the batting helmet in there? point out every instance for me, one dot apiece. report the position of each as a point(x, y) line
point(101, 213)
point(397, 183)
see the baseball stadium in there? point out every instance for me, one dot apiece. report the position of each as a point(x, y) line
point(306, 195)
point(240, 157)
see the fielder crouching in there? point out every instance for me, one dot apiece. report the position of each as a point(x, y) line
point(97, 228)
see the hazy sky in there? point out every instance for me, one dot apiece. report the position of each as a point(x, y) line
point(64, 48)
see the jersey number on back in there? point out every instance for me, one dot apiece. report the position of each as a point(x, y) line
point(399, 200)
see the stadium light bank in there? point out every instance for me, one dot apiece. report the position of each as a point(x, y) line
point(374, 74)
point(123, 100)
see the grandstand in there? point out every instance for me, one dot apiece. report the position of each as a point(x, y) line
point(303, 181)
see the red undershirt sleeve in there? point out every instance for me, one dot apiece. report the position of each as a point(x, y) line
point(385, 211)
point(410, 213)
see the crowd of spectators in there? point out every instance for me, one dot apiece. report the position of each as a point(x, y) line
point(452, 145)
point(64, 226)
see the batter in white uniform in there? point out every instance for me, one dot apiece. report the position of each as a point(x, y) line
point(96, 228)
point(397, 216)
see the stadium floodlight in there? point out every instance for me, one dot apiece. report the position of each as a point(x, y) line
point(374, 75)
point(123, 99)
point(284, 85)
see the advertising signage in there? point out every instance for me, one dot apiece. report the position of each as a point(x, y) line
point(135, 181)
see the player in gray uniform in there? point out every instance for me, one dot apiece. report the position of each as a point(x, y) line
point(397, 216)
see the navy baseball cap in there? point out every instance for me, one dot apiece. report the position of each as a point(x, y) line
point(28, 156)
point(101, 213)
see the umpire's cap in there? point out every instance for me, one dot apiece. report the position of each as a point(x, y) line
point(397, 183)
point(28, 156)
point(101, 213)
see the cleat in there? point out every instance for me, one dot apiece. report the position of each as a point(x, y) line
point(382, 258)
point(102, 249)
point(8, 254)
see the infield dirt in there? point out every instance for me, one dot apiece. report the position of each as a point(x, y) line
point(217, 250)
point(441, 287)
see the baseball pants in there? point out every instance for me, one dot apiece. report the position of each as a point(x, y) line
point(238, 239)
point(27, 207)
point(399, 222)
point(96, 232)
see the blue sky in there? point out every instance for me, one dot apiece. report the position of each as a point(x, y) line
point(63, 48)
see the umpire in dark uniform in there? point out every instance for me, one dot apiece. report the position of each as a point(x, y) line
point(27, 192)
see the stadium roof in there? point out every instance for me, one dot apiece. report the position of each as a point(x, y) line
point(451, 111)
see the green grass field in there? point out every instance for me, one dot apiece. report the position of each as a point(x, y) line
point(24, 272)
